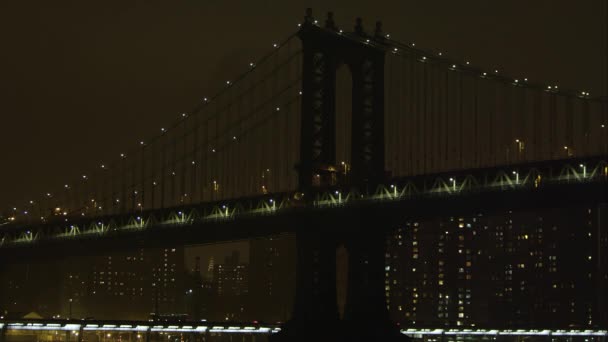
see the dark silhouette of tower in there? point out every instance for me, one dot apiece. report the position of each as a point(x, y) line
point(365, 317)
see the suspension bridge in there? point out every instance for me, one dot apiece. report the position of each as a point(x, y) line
point(335, 135)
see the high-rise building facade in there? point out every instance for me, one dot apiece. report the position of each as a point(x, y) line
point(231, 288)
point(541, 269)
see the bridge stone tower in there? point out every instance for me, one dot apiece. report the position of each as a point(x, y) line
point(324, 50)
point(365, 315)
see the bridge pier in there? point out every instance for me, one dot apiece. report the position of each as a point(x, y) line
point(366, 316)
point(315, 309)
point(3, 333)
point(315, 306)
point(602, 263)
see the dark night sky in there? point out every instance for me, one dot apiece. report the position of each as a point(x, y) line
point(83, 81)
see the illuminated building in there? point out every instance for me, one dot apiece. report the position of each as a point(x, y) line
point(512, 270)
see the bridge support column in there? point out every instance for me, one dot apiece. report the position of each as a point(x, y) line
point(3, 333)
point(366, 317)
point(602, 263)
point(315, 307)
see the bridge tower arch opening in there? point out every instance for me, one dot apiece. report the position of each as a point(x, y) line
point(342, 259)
point(344, 115)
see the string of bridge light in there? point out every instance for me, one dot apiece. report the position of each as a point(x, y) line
point(220, 148)
point(426, 56)
point(215, 148)
point(381, 40)
point(184, 158)
point(397, 46)
point(206, 101)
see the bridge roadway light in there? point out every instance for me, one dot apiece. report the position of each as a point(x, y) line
point(584, 167)
point(394, 190)
point(516, 177)
point(453, 183)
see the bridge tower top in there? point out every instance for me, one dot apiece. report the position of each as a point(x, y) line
point(325, 49)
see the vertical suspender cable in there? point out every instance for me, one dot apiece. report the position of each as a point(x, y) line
point(400, 129)
point(194, 189)
point(552, 119)
point(569, 141)
point(238, 155)
point(476, 160)
point(416, 125)
point(461, 119)
point(446, 120)
point(273, 125)
point(536, 120)
point(123, 201)
point(152, 182)
point(203, 163)
point(184, 161)
point(163, 148)
point(173, 201)
point(507, 119)
point(604, 124)
point(586, 125)
point(132, 186)
point(424, 112)
point(143, 177)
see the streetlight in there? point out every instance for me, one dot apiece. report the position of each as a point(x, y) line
point(520, 147)
point(516, 177)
